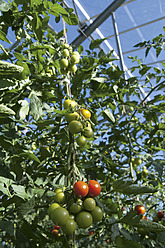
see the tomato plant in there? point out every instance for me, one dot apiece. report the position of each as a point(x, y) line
point(160, 215)
point(68, 103)
point(81, 140)
point(94, 188)
point(97, 214)
point(80, 189)
point(89, 204)
point(59, 216)
point(86, 113)
point(84, 219)
point(75, 127)
point(59, 196)
point(88, 132)
point(69, 227)
point(72, 116)
point(140, 209)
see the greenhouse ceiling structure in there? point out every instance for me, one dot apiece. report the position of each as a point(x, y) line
point(121, 23)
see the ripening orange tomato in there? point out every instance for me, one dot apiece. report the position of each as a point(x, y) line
point(86, 113)
point(140, 209)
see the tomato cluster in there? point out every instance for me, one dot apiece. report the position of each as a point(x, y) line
point(80, 210)
point(78, 120)
point(69, 60)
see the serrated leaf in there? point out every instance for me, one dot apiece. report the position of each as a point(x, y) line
point(129, 188)
point(20, 191)
point(27, 207)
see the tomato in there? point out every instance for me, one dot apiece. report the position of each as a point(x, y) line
point(88, 132)
point(65, 52)
point(57, 227)
point(75, 127)
point(59, 196)
point(55, 232)
point(52, 207)
point(66, 45)
point(131, 109)
point(69, 227)
point(76, 53)
point(69, 103)
point(72, 116)
point(75, 208)
point(97, 214)
point(80, 189)
point(84, 219)
point(73, 68)
point(140, 209)
point(160, 215)
point(137, 161)
point(89, 204)
point(71, 216)
point(81, 140)
point(59, 216)
point(86, 113)
point(75, 58)
point(64, 63)
point(90, 232)
point(94, 188)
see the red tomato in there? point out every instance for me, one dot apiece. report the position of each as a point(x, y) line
point(94, 188)
point(140, 209)
point(80, 189)
point(91, 233)
point(160, 215)
point(55, 232)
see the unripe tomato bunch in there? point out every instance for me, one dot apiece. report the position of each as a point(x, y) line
point(69, 59)
point(81, 209)
point(78, 121)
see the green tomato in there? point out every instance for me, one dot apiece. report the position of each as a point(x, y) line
point(65, 52)
point(88, 132)
point(69, 227)
point(64, 63)
point(59, 196)
point(72, 116)
point(89, 204)
point(84, 219)
point(137, 161)
point(75, 59)
point(52, 207)
point(75, 208)
point(73, 68)
point(69, 103)
point(66, 45)
point(60, 216)
point(81, 141)
point(97, 214)
point(75, 127)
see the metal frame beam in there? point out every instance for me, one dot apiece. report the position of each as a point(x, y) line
point(97, 22)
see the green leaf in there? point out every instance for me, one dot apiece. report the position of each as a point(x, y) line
point(129, 188)
point(108, 115)
point(30, 156)
point(19, 56)
point(4, 6)
point(70, 19)
point(7, 226)
point(4, 110)
point(3, 37)
point(6, 83)
point(24, 110)
point(20, 191)
point(27, 207)
point(96, 43)
point(35, 106)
